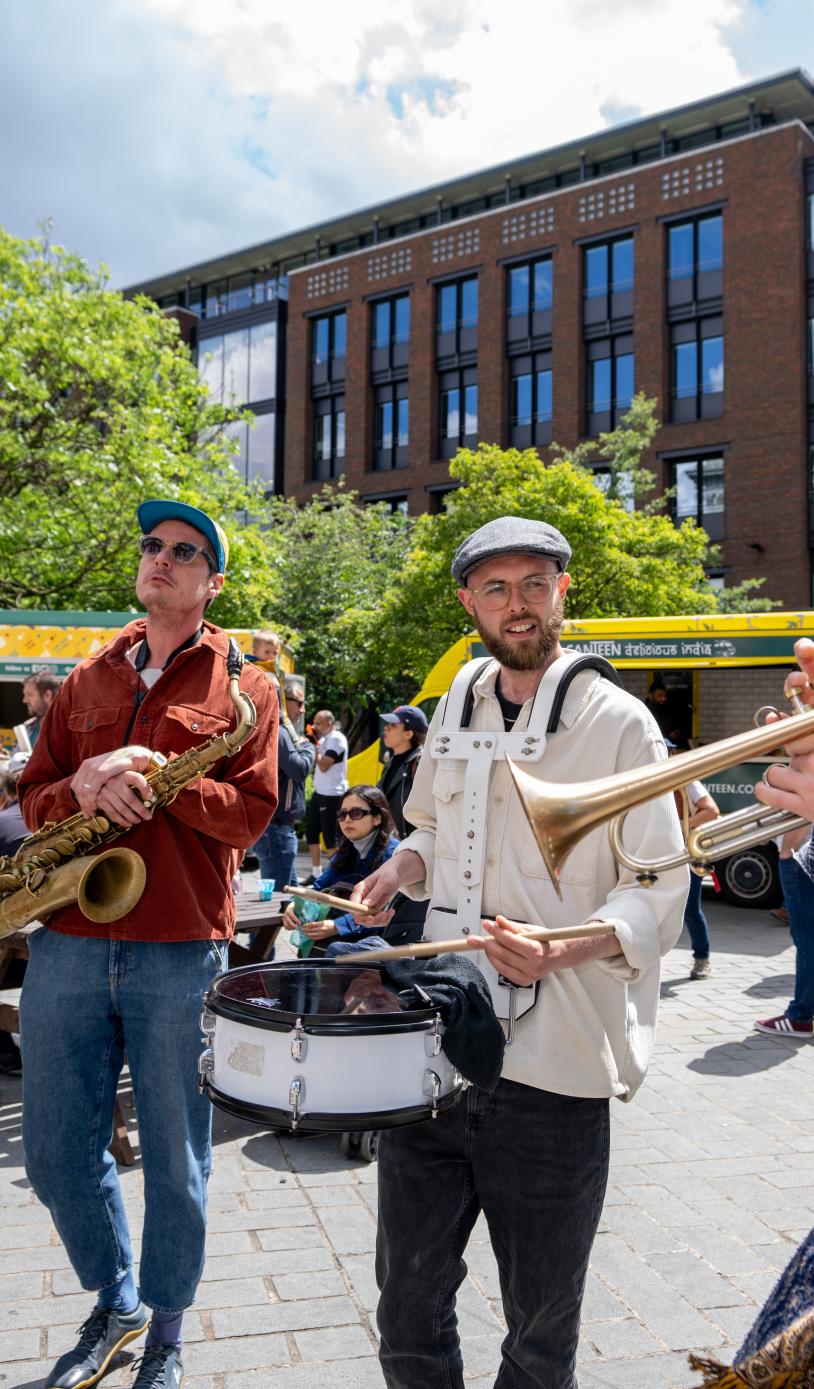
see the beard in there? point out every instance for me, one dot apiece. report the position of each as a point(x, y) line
point(533, 654)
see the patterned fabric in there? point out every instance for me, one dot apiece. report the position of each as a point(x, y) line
point(778, 1352)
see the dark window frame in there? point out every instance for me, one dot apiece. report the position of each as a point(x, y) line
point(704, 283)
point(536, 431)
point(327, 468)
point(391, 353)
point(396, 454)
point(458, 379)
point(620, 345)
point(328, 371)
point(613, 304)
point(715, 528)
point(531, 323)
point(700, 404)
point(461, 338)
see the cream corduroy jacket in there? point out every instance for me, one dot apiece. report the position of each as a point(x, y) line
point(591, 1032)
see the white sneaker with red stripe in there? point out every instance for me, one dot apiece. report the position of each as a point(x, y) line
point(786, 1027)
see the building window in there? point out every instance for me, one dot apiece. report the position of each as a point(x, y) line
point(328, 348)
point(396, 504)
point(810, 222)
point(608, 281)
point(248, 360)
point(391, 426)
point(456, 321)
point(458, 411)
point(697, 370)
point(610, 375)
point(695, 258)
point(699, 493)
point(437, 498)
point(531, 404)
point(390, 334)
point(529, 296)
point(254, 459)
point(329, 436)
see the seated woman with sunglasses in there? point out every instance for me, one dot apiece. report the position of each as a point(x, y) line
point(368, 840)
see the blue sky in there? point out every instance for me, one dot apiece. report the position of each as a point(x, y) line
point(155, 133)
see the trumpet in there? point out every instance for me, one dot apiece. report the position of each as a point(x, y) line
point(560, 815)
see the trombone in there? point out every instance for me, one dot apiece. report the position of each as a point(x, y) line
point(560, 814)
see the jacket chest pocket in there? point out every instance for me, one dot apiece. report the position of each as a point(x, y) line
point(186, 726)
point(579, 868)
point(95, 730)
point(448, 790)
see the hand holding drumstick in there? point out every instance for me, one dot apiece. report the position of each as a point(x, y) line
point(520, 952)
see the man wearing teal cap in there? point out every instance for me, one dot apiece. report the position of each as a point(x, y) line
point(134, 987)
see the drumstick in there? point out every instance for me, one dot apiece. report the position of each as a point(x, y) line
point(424, 948)
point(311, 895)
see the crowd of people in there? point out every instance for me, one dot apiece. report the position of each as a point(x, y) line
point(442, 838)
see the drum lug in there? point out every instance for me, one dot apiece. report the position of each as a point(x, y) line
point(208, 1023)
point(206, 1066)
point(432, 1091)
point(299, 1042)
point(296, 1097)
point(432, 1041)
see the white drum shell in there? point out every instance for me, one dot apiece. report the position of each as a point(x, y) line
point(357, 1074)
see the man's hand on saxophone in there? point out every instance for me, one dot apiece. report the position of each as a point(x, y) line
point(113, 783)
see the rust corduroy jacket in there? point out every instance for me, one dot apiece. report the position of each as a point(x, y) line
point(192, 847)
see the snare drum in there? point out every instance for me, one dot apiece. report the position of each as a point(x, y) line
point(311, 1046)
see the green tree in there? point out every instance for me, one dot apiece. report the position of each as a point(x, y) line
point(334, 562)
point(625, 562)
point(100, 407)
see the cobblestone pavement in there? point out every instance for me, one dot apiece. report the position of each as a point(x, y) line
point(711, 1189)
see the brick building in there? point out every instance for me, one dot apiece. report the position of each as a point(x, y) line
point(524, 303)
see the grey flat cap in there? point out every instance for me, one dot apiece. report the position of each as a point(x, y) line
point(510, 535)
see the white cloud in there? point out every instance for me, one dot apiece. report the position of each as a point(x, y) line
point(159, 132)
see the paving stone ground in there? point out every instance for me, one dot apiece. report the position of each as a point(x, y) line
point(711, 1189)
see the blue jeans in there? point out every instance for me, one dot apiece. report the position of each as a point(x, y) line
point(277, 851)
point(86, 1002)
point(798, 895)
point(536, 1164)
point(695, 921)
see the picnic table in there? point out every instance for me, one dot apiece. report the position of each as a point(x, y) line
point(263, 920)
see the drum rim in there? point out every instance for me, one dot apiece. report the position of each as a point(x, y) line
point(313, 1123)
point(314, 1024)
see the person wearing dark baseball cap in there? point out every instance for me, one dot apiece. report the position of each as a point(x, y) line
point(403, 735)
point(532, 1154)
point(134, 986)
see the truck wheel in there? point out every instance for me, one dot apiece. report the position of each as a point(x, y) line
point(751, 878)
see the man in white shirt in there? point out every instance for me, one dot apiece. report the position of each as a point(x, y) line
point(532, 1154)
point(330, 785)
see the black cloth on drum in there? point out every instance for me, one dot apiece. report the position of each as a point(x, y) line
point(474, 1040)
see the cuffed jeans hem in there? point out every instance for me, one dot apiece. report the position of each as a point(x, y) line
point(163, 1311)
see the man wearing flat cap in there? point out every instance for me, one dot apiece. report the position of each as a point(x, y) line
point(579, 1014)
point(94, 994)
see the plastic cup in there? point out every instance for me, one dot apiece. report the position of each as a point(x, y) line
point(265, 889)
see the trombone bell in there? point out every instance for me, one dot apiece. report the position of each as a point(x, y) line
point(560, 814)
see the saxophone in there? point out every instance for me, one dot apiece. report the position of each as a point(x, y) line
point(57, 866)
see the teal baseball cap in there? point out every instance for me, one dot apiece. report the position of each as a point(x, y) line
point(151, 514)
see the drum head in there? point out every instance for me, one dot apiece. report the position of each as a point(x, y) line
point(343, 997)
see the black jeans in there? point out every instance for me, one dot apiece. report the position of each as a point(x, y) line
point(537, 1165)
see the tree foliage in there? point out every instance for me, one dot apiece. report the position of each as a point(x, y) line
point(625, 562)
point(333, 563)
point(100, 407)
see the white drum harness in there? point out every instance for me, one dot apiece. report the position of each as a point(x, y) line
point(479, 750)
